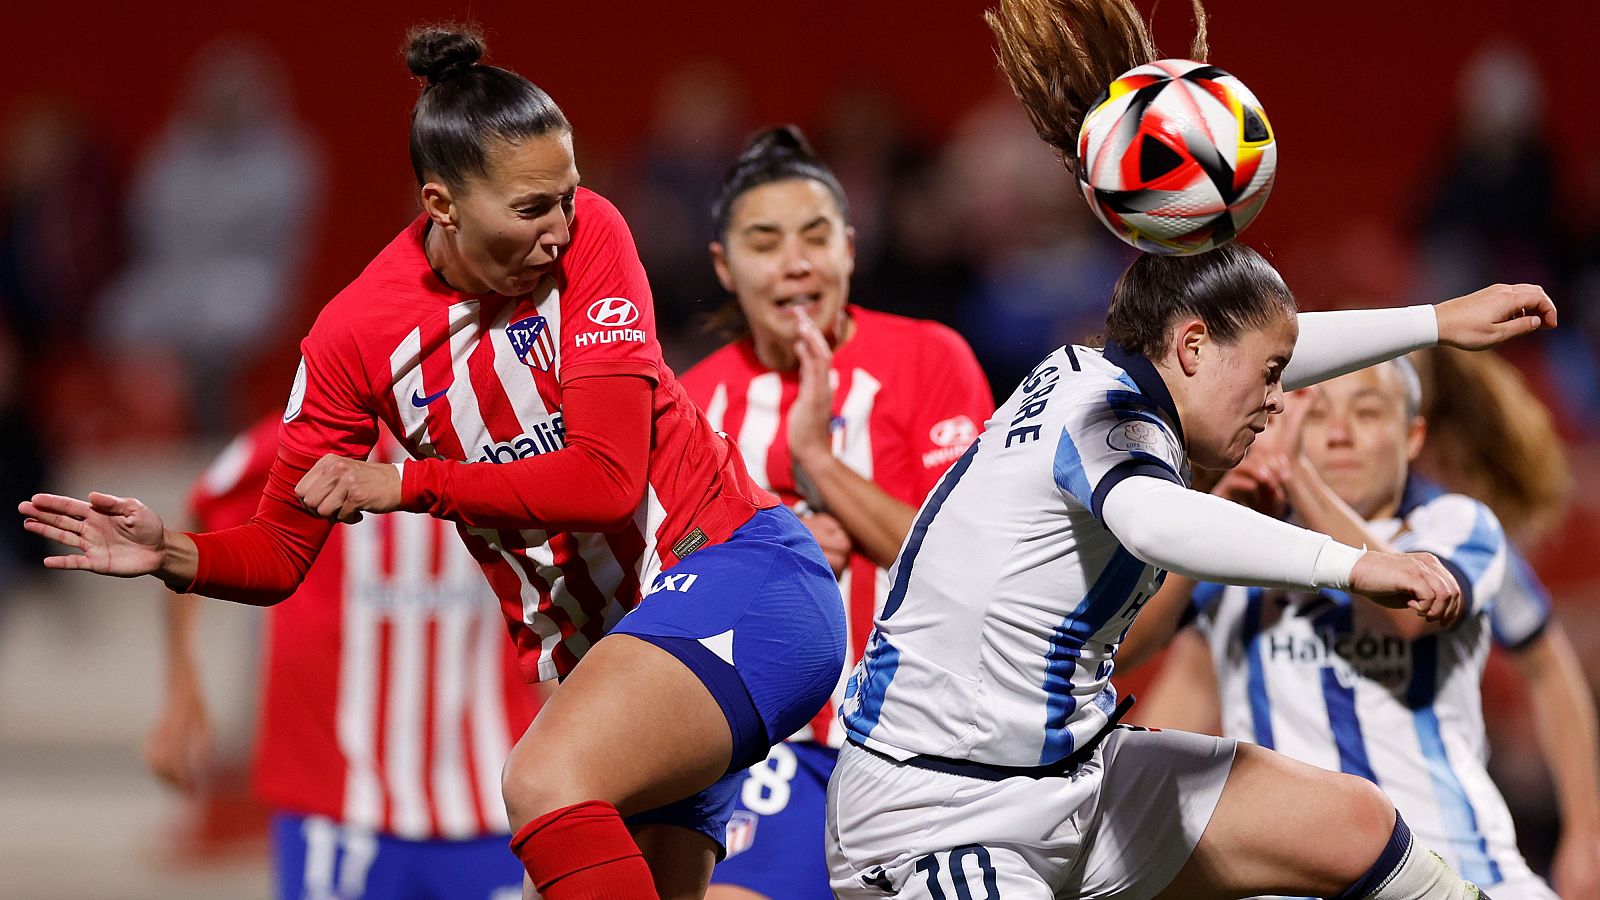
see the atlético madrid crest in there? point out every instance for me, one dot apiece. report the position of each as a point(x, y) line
point(741, 832)
point(531, 339)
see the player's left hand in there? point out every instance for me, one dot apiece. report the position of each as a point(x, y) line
point(341, 489)
point(1575, 869)
point(1494, 315)
point(811, 416)
point(832, 538)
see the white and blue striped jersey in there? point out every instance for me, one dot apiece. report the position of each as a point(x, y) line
point(1010, 596)
point(1319, 677)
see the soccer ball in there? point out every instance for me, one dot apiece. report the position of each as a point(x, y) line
point(1176, 157)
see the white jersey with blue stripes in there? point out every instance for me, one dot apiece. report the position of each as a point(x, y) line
point(1320, 678)
point(1010, 596)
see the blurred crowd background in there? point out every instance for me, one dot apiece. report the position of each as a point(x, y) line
point(181, 188)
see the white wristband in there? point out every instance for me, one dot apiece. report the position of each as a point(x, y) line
point(1334, 563)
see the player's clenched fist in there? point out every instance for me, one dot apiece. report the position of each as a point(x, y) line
point(1494, 315)
point(1415, 580)
point(341, 489)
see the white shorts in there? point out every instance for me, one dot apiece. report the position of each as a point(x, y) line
point(1122, 825)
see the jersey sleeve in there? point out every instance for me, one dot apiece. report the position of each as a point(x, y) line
point(328, 412)
point(1521, 610)
point(608, 321)
point(1467, 539)
point(1111, 439)
point(952, 402)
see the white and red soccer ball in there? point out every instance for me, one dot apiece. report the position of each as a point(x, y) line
point(1176, 157)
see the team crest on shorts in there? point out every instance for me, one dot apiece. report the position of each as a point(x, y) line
point(741, 831)
point(531, 340)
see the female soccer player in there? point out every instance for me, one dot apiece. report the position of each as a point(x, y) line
point(506, 338)
point(982, 751)
point(1352, 466)
point(849, 416)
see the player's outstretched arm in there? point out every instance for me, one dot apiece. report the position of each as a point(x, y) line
point(1210, 539)
point(1337, 343)
point(117, 536)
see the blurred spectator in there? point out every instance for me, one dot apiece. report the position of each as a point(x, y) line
point(1046, 266)
point(58, 224)
point(1494, 216)
point(218, 219)
point(696, 130)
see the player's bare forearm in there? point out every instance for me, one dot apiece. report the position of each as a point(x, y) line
point(1156, 623)
point(877, 522)
point(1321, 509)
point(1184, 695)
point(1565, 723)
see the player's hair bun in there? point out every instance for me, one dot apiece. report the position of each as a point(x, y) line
point(779, 139)
point(441, 52)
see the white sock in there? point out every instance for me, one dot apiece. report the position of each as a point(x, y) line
point(1423, 875)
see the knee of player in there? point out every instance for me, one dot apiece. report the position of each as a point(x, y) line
point(1369, 817)
point(530, 791)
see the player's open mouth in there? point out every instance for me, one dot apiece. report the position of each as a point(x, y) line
point(799, 301)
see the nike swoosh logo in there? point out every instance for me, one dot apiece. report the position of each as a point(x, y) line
point(420, 401)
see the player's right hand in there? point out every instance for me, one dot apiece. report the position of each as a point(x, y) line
point(115, 535)
point(1415, 580)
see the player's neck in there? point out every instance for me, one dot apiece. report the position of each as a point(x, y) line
point(776, 353)
point(444, 257)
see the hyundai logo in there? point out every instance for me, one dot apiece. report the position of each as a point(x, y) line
point(613, 312)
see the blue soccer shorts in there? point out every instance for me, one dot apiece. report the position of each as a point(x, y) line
point(776, 846)
point(317, 858)
point(758, 618)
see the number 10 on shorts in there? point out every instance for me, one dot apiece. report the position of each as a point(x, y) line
point(960, 865)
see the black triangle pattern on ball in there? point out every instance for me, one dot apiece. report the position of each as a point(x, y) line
point(1156, 159)
point(1254, 128)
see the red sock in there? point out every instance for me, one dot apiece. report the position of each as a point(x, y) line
point(581, 852)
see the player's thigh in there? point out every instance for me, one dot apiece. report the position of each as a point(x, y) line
point(632, 726)
point(315, 857)
point(680, 859)
point(1284, 827)
point(1157, 792)
point(775, 839)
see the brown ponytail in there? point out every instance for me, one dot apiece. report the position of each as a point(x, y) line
point(1490, 437)
point(1060, 55)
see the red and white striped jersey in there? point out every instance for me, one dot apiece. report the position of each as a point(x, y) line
point(479, 379)
point(908, 399)
point(391, 695)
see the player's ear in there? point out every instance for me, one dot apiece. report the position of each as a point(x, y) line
point(1190, 341)
point(439, 204)
point(719, 264)
point(850, 250)
point(1416, 436)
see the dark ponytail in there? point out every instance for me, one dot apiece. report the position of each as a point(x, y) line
point(779, 153)
point(1060, 55)
point(1232, 289)
point(466, 104)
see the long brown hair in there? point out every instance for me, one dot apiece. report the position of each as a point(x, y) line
point(1059, 55)
point(1490, 437)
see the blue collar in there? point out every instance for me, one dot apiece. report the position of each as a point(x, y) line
point(1149, 381)
point(1418, 491)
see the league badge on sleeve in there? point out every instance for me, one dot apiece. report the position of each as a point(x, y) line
point(531, 340)
point(741, 831)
